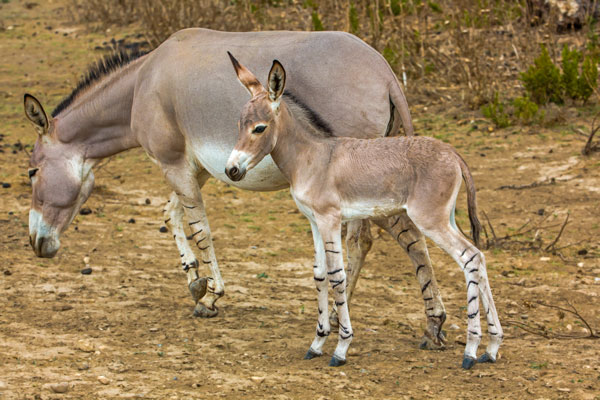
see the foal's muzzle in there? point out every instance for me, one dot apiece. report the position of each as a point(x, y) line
point(235, 174)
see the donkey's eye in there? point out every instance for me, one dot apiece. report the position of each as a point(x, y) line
point(32, 172)
point(259, 129)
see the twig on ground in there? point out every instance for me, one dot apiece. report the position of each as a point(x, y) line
point(562, 228)
point(529, 185)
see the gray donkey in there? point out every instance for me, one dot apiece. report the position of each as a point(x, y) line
point(334, 179)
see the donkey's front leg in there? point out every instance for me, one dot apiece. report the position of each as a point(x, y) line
point(330, 228)
point(320, 276)
point(412, 240)
point(187, 184)
point(174, 220)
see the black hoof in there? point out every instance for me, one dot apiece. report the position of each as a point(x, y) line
point(336, 362)
point(310, 354)
point(468, 362)
point(486, 358)
point(198, 288)
point(201, 311)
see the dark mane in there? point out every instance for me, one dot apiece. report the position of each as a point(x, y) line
point(314, 118)
point(102, 67)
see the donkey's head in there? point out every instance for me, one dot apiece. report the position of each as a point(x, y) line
point(257, 125)
point(61, 179)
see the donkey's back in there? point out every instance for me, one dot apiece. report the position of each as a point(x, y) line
point(189, 80)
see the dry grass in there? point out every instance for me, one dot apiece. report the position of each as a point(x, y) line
point(453, 50)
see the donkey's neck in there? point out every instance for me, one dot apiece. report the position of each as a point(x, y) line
point(299, 143)
point(99, 119)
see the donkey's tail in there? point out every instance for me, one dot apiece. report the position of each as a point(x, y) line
point(471, 199)
point(398, 102)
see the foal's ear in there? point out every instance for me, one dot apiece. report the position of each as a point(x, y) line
point(246, 77)
point(36, 114)
point(276, 81)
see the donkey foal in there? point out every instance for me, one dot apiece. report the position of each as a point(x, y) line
point(334, 179)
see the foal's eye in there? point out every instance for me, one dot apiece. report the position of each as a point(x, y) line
point(32, 172)
point(259, 129)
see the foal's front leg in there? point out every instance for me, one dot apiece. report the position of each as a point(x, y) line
point(330, 228)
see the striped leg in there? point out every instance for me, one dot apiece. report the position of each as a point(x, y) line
point(320, 276)
point(330, 229)
point(494, 328)
point(358, 244)
point(412, 240)
point(187, 183)
point(174, 220)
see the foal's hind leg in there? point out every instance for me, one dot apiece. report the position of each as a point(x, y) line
point(472, 263)
point(412, 240)
point(174, 220)
point(358, 244)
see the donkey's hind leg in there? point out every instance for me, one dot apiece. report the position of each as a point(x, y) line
point(413, 242)
point(494, 328)
point(358, 244)
point(174, 220)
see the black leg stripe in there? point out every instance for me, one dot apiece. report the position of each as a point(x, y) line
point(410, 244)
point(395, 223)
point(167, 220)
point(203, 248)
point(473, 282)
point(332, 251)
point(428, 298)
point(471, 316)
point(189, 207)
point(195, 222)
point(194, 234)
point(473, 270)
point(464, 251)
point(319, 279)
point(425, 286)
point(335, 272)
point(471, 299)
point(206, 262)
point(204, 238)
point(419, 268)
point(401, 232)
point(339, 304)
point(474, 255)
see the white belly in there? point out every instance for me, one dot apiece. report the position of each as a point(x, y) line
point(263, 177)
point(371, 209)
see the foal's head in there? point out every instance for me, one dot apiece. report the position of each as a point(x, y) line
point(257, 125)
point(61, 180)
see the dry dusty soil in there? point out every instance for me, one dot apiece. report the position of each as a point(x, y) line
point(131, 321)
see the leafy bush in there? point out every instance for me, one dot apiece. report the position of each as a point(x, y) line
point(543, 80)
point(526, 111)
point(495, 112)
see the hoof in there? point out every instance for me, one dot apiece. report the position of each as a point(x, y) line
point(201, 311)
point(198, 288)
point(427, 343)
point(468, 362)
point(310, 354)
point(486, 358)
point(336, 362)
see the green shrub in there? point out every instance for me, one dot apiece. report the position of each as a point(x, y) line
point(495, 112)
point(543, 81)
point(316, 21)
point(353, 19)
point(588, 80)
point(570, 75)
point(526, 111)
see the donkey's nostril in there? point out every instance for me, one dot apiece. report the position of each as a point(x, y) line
point(233, 171)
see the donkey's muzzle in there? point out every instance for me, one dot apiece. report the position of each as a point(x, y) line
point(235, 174)
point(45, 247)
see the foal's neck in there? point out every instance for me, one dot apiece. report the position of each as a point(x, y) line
point(299, 145)
point(99, 118)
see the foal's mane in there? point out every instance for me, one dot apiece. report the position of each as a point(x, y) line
point(306, 114)
point(103, 67)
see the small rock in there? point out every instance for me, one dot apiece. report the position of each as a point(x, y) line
point(524, 316)
point(83, 366)
point(86, 271)
point(103, 380)
point(85, 211)
point(163, 229)
point(62, 387)
point(544, 258)
point(258, 379)
point(2, 385)
point(454, 327)
point(86, 260)
point(62, 307)
point(569, 327)
point(5, 185)
point(131, 221)
point(85, 345)
point(580, 264)
point(153, 329)
point(7, 273)
point(148, 201)
point(582, 252)
point(540, 211)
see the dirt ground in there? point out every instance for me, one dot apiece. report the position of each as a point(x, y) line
point(131, 319)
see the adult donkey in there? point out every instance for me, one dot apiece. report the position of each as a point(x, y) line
point(180, 103)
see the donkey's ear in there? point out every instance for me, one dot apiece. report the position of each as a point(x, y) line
point(246, 77)
point(276, 81)
point(36, 114)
